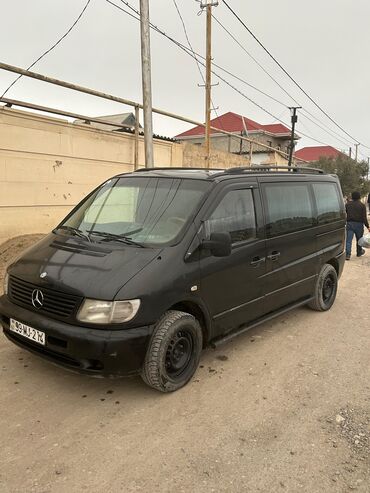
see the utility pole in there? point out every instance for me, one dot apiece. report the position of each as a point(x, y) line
point(208, 4)
point(294, 117)
point(147, 82)
point(356, 152)
point(350, 152)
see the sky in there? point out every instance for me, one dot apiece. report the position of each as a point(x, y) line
point(322, 44)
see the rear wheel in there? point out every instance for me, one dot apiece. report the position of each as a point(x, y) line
point(174, 352)
point(325, 289)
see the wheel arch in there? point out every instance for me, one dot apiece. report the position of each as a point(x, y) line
point(334, 262)
point(199, 313)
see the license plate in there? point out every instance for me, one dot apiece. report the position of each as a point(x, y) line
point(28, 332)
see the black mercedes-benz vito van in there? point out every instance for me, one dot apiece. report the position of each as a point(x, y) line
point(154, 265)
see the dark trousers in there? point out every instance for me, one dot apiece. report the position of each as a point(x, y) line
point(356, 229)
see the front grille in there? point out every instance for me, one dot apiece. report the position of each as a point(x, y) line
point(55, 303)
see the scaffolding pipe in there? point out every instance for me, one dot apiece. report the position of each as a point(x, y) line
point(110, 97)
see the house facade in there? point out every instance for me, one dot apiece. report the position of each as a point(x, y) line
point(276, 136)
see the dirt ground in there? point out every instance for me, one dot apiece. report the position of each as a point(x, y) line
point(284, 408)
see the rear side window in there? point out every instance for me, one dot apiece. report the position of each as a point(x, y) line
point(235, 215)
point(289, 208)
point(327, 201)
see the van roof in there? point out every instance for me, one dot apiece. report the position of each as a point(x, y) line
point(213, 174)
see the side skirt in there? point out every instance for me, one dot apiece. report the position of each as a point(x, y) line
point(260, 321)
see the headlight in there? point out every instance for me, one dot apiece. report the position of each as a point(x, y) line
point(108, 312)
point(6, 283)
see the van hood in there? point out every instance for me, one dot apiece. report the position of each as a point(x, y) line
point(73, 265)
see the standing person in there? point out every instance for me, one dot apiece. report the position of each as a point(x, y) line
point(368, 202)
point(356, 219)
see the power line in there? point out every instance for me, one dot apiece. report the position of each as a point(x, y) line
point(267, 95)
point(254, 59)
point(326, 128)
point(200, 70)
point(286, 72)
point(192, 50)
point(275, 81)
point(196, 55)
point(327, 131)
point(51, 48)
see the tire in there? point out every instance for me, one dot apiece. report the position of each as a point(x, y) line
point(173, 353)
point(325, 289)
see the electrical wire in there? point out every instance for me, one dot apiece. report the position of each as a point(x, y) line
point(195, 56)
point(331, 131)
point(327, 131)
point(192, 50)
point(286, 72)
point(200, 70)
point(254, 59)
point(51, 48)
point(194, 53)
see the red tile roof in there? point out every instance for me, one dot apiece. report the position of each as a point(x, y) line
point(314, 153)
point(231, 122)
point(276, 128)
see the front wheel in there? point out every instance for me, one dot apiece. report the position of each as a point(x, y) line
point(325, 289)
point(173, 353)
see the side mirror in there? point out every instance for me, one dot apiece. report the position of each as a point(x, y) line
point(219, 244)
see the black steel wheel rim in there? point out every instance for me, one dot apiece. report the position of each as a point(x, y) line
point(328, 288)
point(179, 353)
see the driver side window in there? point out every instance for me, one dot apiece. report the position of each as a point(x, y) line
point(235, 215)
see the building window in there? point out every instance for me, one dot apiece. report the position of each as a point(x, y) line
point(269, 143)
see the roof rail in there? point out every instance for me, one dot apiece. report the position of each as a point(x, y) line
point(178, 168)
point(277, 168)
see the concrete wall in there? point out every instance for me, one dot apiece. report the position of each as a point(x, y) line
point(195, 156)
point(260, 154)
point(48, 165)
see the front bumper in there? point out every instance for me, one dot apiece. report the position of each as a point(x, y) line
point(97, 352)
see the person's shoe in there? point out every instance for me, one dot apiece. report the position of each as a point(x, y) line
point(361, 253)
point(348, 257)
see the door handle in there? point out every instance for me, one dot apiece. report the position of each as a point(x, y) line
point(274, 256)
point(257, 261)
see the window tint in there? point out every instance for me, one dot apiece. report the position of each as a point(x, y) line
point(235, 215)
point(327, 201)
point(289, 208)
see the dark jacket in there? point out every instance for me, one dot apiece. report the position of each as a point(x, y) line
point(356, 212)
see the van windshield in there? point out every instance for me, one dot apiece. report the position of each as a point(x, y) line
point(139, 210)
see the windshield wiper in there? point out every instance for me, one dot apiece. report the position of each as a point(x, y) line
point(115, 237)
point(76, 232)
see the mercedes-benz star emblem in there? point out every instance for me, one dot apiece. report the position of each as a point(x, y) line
point(37, 298)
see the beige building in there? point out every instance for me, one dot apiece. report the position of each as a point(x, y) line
point(48, 165)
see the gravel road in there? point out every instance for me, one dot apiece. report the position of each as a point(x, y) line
point(284, 408)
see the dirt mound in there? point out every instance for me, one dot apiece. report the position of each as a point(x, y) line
point(12, 248)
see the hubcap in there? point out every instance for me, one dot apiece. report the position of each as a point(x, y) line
point(328, 288)
point(179, 353)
